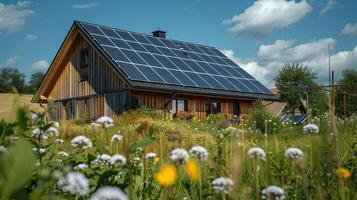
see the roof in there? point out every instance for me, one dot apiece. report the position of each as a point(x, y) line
point(276, 108)
point(153, 63)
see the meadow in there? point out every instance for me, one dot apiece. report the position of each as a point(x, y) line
point(142, 155)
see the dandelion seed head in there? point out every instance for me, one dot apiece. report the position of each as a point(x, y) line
point(199, 152)
point(2, 149)
point(81, 166)
point(81, 142)
point(75, 183)
point(150, 156)
point(294, 153)
point(105, 121)
point(257, 152)
point(311, 128)
point(117, 159)
point(117, 138)
point(273, 192)
point(179, 156)
point(222, 185)
point(109, 193)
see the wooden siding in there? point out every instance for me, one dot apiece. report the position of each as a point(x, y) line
point(102, 78)
point(196, 104)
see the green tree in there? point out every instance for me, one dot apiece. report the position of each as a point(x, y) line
point(34, 84)
point(11, 77)
point(349, 86)
point(295, 82)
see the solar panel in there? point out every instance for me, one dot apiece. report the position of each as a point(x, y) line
point(151, 59)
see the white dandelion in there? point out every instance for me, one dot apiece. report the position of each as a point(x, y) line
point(179, 156)
point(199, 152)
point(2, 149)
point(222, 185)
point(109, 193)
point(63, 153)
point(75, 183)
point(118, 159)
point(103, 159)
point(95, 125)
point(294, 153)
point(150, 155)
point(117, 138)
point(311, 128)
point(81, 166)
point(51, 131)
point(81, 142)
point(273, 192)
point(105, 121)
point(256, 152)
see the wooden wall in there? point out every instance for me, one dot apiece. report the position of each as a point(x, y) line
point(196, 104)
point(102, 77)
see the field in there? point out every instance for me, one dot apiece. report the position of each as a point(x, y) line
point(141, 155)
point(7, 101)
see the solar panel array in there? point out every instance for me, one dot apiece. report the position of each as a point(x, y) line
point(165, 61)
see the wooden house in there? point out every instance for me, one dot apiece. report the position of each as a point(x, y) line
point(100, 70)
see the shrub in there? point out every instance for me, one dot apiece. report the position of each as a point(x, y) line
point(214, 118)
point(261, 119)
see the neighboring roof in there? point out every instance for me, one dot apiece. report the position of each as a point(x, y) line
point(275, 91)
point(153, 63)
point(275, 108)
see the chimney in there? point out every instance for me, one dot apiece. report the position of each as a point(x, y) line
point(160, 34)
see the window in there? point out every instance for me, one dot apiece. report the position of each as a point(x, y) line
point(178, 105)
point(212, 107)
point(84, 61)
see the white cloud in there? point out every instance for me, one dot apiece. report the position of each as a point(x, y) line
point(85, 5)
point(330, 4)
point(13, 16)
point(11, 61)
point(31, 37)
point(40, 66)
point(314, 54)
point(260, 19)
point(350, 29)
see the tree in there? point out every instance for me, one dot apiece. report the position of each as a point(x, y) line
point(34, 84)
point(11, 77)
point(294, 82)
point(349, 86)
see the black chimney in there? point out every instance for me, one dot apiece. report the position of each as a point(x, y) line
point(158, 33)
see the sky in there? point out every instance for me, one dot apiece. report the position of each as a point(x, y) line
point(261, 36)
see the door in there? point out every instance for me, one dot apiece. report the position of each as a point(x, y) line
point(236, 109)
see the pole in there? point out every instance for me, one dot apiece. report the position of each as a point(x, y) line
point(344, 105)
point(329, 65)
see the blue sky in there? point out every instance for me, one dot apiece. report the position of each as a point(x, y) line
point(259, 35)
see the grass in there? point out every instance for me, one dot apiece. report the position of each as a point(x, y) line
point(7, 102)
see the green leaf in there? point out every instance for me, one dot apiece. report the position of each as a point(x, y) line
point(16, 168)
point(142, 143)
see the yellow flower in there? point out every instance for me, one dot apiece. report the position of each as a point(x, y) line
point(166, 176)
point(157, 159)
point(192, 170)
point(343, 172)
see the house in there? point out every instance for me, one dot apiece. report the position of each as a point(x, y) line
point(100, 70)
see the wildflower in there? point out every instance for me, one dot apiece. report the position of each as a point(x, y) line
point(116, 138)
point(81, 166)
point(51, 131)
point(150, 156)
point(40, 150)
point(105, 121)
point(59, 141)
point(157, 159)
point(104, 159)
point(35, 117)
point(256, 152)
point(95, 125)
point(82, 142)
point(179, 156)
point(222, 184)
point(294, 153)
point(311, 128)
point(117, 158)
point(199, 152)
point(37, 133)
point(63, 153)
point(229, 131)
point(109, 193)
point(75, 183)
point(343, 172)
point(166, 176)
point(273, 192)
point(2, 149)
point(192, 170)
